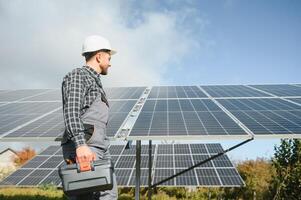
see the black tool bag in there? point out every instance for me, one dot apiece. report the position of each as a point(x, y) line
point(82, 179)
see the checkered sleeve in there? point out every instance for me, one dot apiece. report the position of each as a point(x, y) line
point(73, 91)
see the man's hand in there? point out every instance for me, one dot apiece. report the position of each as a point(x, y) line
point(84, 154)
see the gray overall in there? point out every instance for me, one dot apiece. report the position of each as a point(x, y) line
point(95, 121)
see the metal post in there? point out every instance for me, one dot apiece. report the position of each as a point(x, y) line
point(138, 161)
point(149, 170)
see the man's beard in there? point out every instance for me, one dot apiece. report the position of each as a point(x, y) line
point(104, 72)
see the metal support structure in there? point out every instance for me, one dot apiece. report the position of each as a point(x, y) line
point(149, 170)
point(201, 163)
point(138, 168)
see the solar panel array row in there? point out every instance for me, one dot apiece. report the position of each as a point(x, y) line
point(167, 160)
point(168, 111)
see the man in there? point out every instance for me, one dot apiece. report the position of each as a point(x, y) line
point(85, 109)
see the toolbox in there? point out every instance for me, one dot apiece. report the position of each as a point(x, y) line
point(87, 177)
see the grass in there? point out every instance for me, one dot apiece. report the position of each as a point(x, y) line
point(50, 192)
point(41, 193)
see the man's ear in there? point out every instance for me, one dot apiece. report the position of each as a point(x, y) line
point(98, 57)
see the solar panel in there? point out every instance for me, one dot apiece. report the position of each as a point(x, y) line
point(266, 116)
point(116, 149)
point(55, 94)
point(118, 112)
point(52, 125)
point(124, 92)
point(280, 89)
point(50, 95)
point(35, 177)
point(168, 112)
point(4, 91)
point(53, 178)
point(183, 117)
point(229, 176)
point(17, 95)
point(17, 114)
point(122, 176)
point(143, 177)
point(167, 160)
point(232, 91)
point(296, 100)
point(176, 92)
point(32, 108)
point(207, 177)
point(188, 178)
point(204, 175)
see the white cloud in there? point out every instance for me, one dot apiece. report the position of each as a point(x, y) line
point(41, 41)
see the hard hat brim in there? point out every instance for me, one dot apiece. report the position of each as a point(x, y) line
point(112, 52)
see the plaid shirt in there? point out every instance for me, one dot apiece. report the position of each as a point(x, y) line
point(80, 88)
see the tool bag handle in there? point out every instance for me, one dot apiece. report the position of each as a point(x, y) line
point(85, 166)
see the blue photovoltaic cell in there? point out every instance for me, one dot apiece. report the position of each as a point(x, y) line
point(176, 92)
point(229, 176)
point(186, 179)
point(122, 176)
point(16, 95)
point(118, 112)
point(143, 177)
point(161, 174)
point(15, 177)
point(266, 116)
point(29, 108)
point(13, 115)
point(280, 90)
point(9, 122)
point(53, 179)
point(4, 91)
point(296, 100)
point(183, 117)
point(207, 177)
point(52, 125)
point(124, 92)
point(35, 177)
point(50, 95)
point(232, 91)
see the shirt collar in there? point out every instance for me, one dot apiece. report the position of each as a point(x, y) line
point(91, 70)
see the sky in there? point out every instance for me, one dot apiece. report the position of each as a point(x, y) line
point(166, 42)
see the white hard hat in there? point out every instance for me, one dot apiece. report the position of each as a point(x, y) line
point(95, 43)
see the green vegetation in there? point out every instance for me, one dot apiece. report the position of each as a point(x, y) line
point(30, 194)
point(286, 183)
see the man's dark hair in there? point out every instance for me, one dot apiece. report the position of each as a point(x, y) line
point(89, 55)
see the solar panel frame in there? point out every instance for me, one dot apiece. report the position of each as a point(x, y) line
point(174, 112)
point(280, 90)
point(296, 100)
